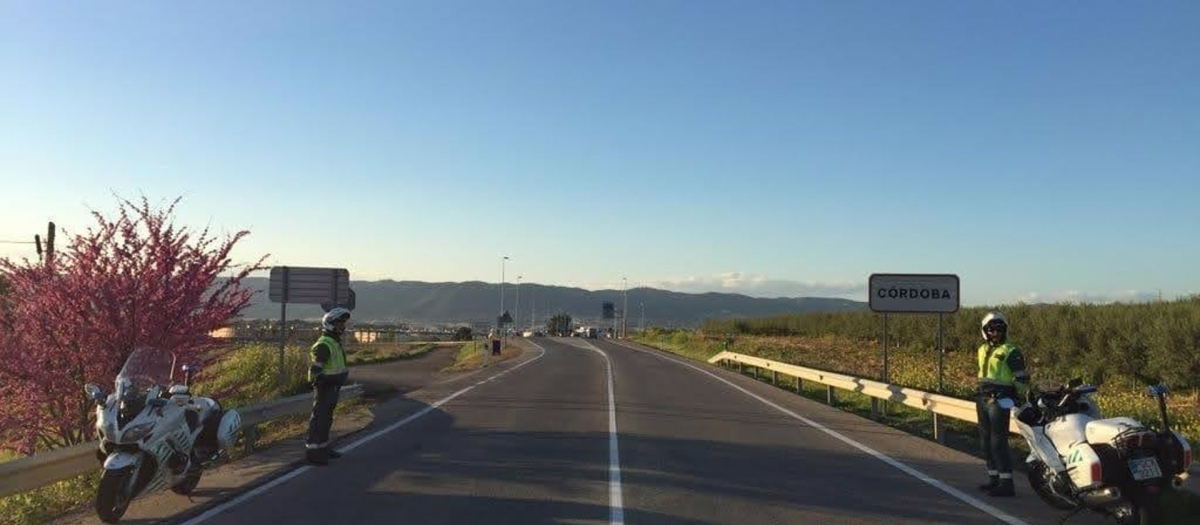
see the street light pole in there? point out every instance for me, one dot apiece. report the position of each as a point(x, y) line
point(517, 306)
point(499, 326)
point(624, 306)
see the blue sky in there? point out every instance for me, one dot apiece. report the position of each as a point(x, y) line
point(1040, 150)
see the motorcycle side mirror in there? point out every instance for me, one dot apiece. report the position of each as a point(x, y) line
point(187, 375)
point(1074, 382)
point(94, 391)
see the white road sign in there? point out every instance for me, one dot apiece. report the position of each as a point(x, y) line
point(913, 293)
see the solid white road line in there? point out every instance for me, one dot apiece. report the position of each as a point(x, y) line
point(208, 514)
point(940, 485)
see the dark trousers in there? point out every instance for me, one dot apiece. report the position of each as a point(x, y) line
point(325, 398)
point(993, 434)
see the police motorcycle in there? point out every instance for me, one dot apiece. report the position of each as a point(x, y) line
point(155, 433)
point(1081, 460)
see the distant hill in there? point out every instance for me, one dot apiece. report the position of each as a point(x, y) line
point(422, 302)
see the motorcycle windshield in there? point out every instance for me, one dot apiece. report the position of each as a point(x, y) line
point(145, 368)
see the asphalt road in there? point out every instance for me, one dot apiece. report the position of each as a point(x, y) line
point(539, 440)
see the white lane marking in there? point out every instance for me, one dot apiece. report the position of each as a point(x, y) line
point(206, 515)
point(938, 484)
point(616, 506)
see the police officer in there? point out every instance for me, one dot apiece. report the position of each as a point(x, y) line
point(1002, 377)
point(327, 375)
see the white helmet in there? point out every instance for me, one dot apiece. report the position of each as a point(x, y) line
point(333, 316)
point(993, 318)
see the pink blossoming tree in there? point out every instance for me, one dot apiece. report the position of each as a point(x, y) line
point(133, 280)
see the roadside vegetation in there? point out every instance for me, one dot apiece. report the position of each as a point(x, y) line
point(246, 375)
point(470, 355)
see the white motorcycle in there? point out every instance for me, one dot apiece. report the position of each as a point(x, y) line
point(152, 438)
point(1115, 466)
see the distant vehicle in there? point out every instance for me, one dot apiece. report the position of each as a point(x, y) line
point(527, 333)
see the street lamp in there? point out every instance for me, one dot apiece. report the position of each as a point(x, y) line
point(517, 307)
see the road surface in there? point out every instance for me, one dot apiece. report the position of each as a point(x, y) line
point(539, 440)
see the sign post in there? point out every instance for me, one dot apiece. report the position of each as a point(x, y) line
point(328, 287)
point(891, 293)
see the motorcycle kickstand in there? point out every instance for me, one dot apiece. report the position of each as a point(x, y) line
point(1069, 515)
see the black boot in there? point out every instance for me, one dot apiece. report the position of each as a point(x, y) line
point(1004, 489)
point(993, 482)
point(317, 456)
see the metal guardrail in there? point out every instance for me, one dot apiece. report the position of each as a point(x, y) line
point(38, 470)
point(938, 404)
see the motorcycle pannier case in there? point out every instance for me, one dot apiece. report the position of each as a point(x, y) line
point(1105, 431)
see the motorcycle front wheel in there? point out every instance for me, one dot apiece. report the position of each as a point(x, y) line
point(112, 499)
point(1040, 479)
point(190, 481)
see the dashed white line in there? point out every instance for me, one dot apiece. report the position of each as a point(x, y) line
point(938, 484)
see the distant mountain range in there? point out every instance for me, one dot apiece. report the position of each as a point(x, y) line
point(421, 302)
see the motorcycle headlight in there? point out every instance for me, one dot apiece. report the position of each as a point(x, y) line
point(137, 432)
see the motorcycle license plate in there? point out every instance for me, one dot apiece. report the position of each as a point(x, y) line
point(1144, 468)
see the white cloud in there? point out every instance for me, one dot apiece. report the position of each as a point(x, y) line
point(756, 285)
point(753, 285)
point(1078, 296)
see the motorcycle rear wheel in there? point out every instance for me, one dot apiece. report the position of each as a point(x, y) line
point(112, 498)
point(1146, 509)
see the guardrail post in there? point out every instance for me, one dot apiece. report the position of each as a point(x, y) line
point(249, 437)
point(874, 408)
point(774, 377)
point(938, 435)
point(799, 385)
point(757, 371)
point(829, 395)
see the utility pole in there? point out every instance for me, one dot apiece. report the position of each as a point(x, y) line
point(642, 321)
point(47, 254)
point(517, 306)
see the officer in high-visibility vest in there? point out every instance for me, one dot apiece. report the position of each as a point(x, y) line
point(327, 375)
point(1002, 377)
